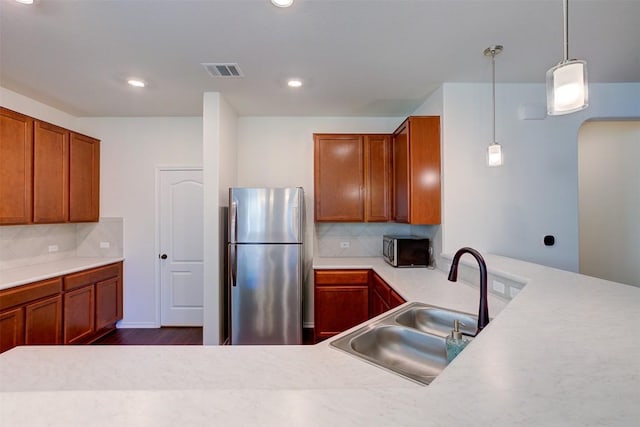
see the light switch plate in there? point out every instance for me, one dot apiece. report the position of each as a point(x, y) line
point(344, 245)
point(105, 245)
point(53, 248)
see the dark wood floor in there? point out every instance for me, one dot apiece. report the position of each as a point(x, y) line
point(159, 336)
point(166, 336)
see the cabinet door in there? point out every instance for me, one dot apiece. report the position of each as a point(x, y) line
point(380, 294)
point(16, 150)
point(424, 147)
point(107, 307)
point(377, 154)
point(339, 178)
point(84, 178)
point(43, 321)
point(79, 315)
point(11, 328)
point(338, 308)
point(401, 184)
point(378, 304)
point(50, 173)
point(395, 299)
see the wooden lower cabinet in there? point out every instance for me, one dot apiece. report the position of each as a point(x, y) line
point(74, 309)
point(383, 297)
point(43, 322)
point(11, 328)
point(345, 298)
point(92, 303)
point(108, 303)
point(395, 300)
point(341, 300)
point(79, 320)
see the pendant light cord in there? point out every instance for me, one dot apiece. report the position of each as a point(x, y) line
point(566, 30)
point(493, 76)
point(493, 51)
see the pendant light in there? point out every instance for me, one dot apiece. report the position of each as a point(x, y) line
point(494, 151)
point(567, 89)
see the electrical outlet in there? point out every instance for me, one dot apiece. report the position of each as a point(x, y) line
point(344, 245)
point(53, 248)
point(498, 286)
point(513, 292)
point(105, 245)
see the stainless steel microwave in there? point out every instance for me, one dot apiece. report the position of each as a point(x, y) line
point(406, 251)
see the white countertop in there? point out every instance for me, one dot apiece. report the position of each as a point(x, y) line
point(559, 354)
point(12, 277)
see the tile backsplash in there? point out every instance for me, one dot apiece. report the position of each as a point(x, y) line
point(23, 245)
point(365, 239)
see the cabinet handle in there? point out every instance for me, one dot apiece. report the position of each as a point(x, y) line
point(163, 256)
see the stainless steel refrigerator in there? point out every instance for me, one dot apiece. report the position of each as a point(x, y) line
point(266, 229)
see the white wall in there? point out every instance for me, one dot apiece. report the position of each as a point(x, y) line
point(609, 194)
point(131, 151)
point(278, 152)
point(219, 158)
point(22, 104)
point(508, 210)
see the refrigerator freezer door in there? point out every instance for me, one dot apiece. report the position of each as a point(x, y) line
point(266, 215)
point(266, 294)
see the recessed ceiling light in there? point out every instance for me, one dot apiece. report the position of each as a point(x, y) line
point(25, 1)
point(136, 82)
point(282, 3)
point(294, 83)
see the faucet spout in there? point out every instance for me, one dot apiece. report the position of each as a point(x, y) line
point(483, 309)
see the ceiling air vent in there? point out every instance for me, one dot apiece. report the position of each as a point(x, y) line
point(223, 69)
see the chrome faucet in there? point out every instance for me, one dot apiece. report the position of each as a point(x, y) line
point(483, 309)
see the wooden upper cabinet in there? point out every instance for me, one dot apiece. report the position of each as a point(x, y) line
point(352, 177)
point(84, 178)
point(50, 173)
point(16, 151)
point(416, 171)
point(377, 173)
point(339, 178)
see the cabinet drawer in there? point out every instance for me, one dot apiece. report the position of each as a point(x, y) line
point(87, 277)
point(31, 292)
point(341, 277)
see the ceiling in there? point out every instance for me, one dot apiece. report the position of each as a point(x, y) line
point(356, 57)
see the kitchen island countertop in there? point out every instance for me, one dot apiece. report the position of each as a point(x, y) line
point(558, 354)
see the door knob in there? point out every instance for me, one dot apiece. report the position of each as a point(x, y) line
point(163, 256)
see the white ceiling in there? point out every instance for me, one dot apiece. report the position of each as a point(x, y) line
point(357, 57)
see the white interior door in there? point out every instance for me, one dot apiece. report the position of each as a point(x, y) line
point(181, 247)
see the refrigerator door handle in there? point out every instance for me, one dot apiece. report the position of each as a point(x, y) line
point(233, 264)
point(233, 226)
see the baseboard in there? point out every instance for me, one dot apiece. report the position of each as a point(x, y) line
point(137, 325)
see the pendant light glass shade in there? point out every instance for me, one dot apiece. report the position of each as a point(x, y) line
point(567, 89)
point(494, 155)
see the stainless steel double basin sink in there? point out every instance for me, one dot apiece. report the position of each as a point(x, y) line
point(409, 342)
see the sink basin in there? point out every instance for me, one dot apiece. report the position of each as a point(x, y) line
point(436, 320)
point(418, 356)
point(409, 342)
